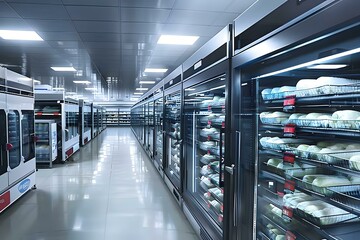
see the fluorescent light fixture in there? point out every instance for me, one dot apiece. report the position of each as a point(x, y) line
point(81, 82)
point(20, 35)
point(141, 89)
point(146, 82)
point(177, 40)
point(63, 69)
point(90, 89)
point(155, 70)
point(190, 89)
point(328, 66)
point(59, 89)
point(222, 86)
point(314, 62)
point(138, 93)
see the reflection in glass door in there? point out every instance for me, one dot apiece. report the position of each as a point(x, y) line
point(28, 133)
point(3, 153)
point(151, 128)
point(159, 104)
point(14, 138)
point(204, 110)
point(173, 136)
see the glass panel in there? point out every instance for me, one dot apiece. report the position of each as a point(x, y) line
point(173, 136)
point(3, 152)
point(87, 118)
point(42, 145)
point(204, 111)
point(28, 133)
point(151, 127)
point(14, 138)
point(72, 128)
point(159, 130)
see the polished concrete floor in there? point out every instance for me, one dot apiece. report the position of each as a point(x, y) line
point(110, 191)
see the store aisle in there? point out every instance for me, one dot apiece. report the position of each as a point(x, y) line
point(110, 191)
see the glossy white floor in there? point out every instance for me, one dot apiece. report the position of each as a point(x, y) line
point(110, 191)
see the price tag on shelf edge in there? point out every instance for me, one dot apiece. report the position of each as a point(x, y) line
point(289, 236)
point(289, 186)
point(289, 159)
point(290, 130)
point(289, 103)
point(209, 108)
point(287, 213)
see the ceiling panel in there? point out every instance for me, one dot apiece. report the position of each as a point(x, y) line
point(6, 11)
point(193, 30)
point(93, 13)
point(40, 11)
point(36, 1)
point(92, 2)
point(113, 45)
point(139, 38)
point(14, 24)
point(61, 36)
point(201, 18)
point(92, 26)
point(206, 5)
point(149, 28)
point(147, 15)
point(52, 25)
point(100, 37)
point(148, 3)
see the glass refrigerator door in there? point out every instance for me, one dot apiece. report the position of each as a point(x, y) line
point(173, 136)
point(159, 130)
point(28, 134)
point(14, 138)
point(151, 127)
point(309, 130)
point(3, 152)
point(146, 126)
point(204, 110)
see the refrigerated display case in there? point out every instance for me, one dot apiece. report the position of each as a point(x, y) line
point(297, 129)
point(172, 136)
point(53, 105)
point(46, 143)
point(205, 88)
point(159, 132)
point(85, 122)
point(103, 118)
point(96, 120)
point(149, 131)
point(17, 158)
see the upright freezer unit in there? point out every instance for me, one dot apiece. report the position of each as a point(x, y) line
point(206, 75)
point(46, 143)
point(297, 126)
point(159, 131)
point(85, 122)
point(96, 115)
point(52, 105)
point(103, 118)
point(172, 127)
point(149, 131)
point(17, 137)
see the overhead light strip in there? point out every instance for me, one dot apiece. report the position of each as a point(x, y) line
point(63, 69)
point(20, 35)
point(81, 82)
point(177, 40)
point(155, 70)
point(146, 82)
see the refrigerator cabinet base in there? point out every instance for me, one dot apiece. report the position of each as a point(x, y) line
point(192, 220)
point(10, 195)
point(173, 190)
point(159, 169)
point(71, 147)
point(22, 170)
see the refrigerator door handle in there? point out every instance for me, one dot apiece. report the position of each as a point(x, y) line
point(230, 169)
point(235, 180)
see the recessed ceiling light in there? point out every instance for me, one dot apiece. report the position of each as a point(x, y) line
point(141, 89)
point(20, 35)
point(190, 89)
point(146, 82)
point(81, 82)
point(90, 89)
point(177, 40)
point(328, 66)
point(63, 69)
point(138, 93)
point(155, 70)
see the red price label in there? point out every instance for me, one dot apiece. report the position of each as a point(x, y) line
point(280, 194)
point(222, 208)
point(220, 218)
point(222, 190)
point(290, 236)
point(209, 206)
point(289, 158)
point(209, 108)
point(223, 124)
point(287, 213)
point(289, 101)
point(208, 152)
point(289, 186)
point(209, 122)
point(39, 113)
point(208, 138)
point(289, 130)
point(56, 113)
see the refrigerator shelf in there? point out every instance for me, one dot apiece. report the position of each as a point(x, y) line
point(318, 131)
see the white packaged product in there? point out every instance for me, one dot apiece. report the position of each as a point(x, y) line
point(207, 145)
point(354, 162)
point(274, 162)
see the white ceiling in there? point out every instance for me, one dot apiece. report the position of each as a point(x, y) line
point(108, 38)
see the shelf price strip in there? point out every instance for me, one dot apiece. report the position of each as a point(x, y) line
point(289, 186)
point(289, 236)
point(290, 130)
point(289, 104)
point(287, 213)
point(289, 158)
